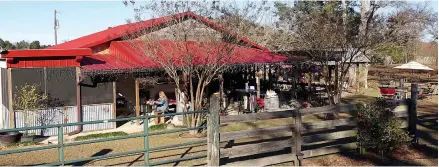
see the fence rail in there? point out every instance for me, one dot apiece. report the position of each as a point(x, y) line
point(294, 142)
point(146, 150)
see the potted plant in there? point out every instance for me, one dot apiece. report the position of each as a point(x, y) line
point(29, 101)
point(9, 137)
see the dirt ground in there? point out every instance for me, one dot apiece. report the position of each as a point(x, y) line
point(96, 149)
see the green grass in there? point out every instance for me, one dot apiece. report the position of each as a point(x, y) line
point(100, 135)
point(157, 127)
point(20, 144)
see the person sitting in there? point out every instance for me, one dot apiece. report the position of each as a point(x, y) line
point(162, 105)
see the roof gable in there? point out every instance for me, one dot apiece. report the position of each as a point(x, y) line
point(127, 29)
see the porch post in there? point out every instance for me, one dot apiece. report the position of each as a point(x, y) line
point(114, 103)
point(270, 77)
point(357, 77)
point(221, 92)
point(329, 75)
point(10, 100)
point(137, 101)
point(258, 83)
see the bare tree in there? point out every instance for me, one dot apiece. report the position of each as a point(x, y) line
point(192, 50)
point(344, 31)
point(332, 32)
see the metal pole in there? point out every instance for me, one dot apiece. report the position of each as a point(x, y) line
point(146, 138)
point(55, 27)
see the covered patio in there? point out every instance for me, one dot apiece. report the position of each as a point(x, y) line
point(138, 79)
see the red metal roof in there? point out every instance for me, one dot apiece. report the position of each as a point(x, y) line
point(128, 29)
point(133, 54)
point(45, 57)
point(46, 53)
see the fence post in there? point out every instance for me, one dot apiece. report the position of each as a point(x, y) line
point(297, 150)
point(213, 149)
point(413, 118)
point(146, 138)
point(61, 145)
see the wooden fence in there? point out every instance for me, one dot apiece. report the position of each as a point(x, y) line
point(291, 142)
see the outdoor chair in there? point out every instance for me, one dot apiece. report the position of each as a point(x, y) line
point(387, 92)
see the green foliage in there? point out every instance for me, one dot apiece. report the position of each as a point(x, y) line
point(7, 45)
point(35, 45)
point(22, 45)
point(157, 127)
point(394, 51)
point(29, 100)
point(100, 135)
point(378, 129)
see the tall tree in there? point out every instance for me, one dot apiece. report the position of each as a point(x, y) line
point(331, 30)
point(35, 45)
point(22, 45)
point(2, 44)
point(8, 45)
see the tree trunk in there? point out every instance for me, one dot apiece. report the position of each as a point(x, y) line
point(364, 16)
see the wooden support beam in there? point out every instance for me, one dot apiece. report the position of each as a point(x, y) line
point(137, 101)
point(221, 92)
point(270, 77)
point(357, 77)
point(114, 103)
point(10, 100)
point(258, 83)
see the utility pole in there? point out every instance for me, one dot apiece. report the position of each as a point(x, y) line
point(55, 27)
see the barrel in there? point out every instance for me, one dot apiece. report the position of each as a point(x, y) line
point(271, 103)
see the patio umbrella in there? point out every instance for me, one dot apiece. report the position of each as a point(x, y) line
point(413, 66)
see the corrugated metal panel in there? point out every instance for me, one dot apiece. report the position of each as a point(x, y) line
point(5, 117)
point(97, 112)
point(61, 115)
point(57, 115)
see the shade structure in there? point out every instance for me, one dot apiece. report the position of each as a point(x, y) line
point(413, 66)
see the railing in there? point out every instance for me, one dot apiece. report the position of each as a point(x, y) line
point(146, 150)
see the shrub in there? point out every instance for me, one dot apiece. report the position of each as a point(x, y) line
point(100, 135)
point(378, 129)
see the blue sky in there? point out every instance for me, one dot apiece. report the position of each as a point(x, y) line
point(33, 20)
